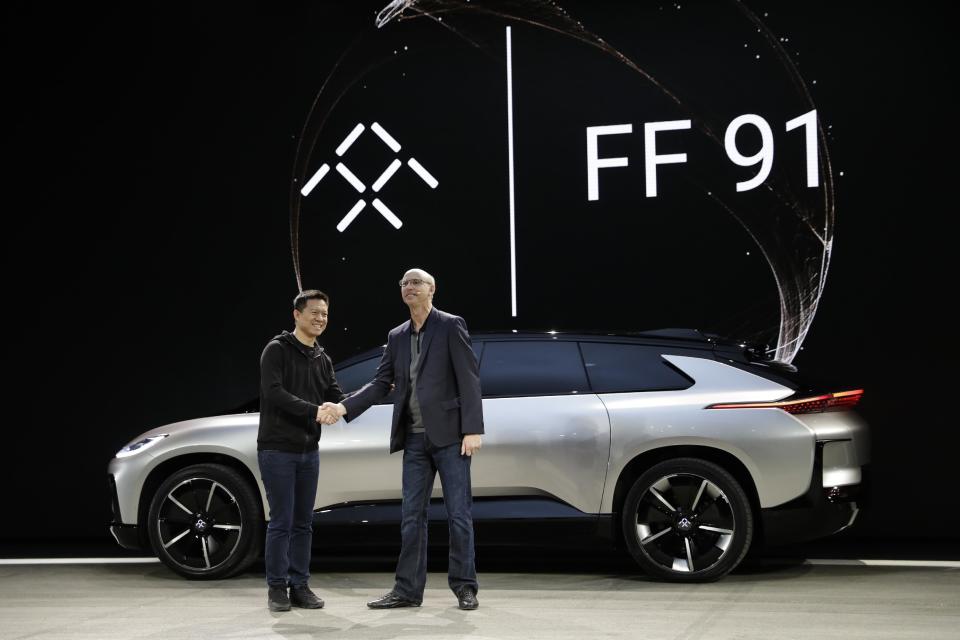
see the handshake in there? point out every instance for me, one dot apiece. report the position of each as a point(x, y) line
point(328, 412)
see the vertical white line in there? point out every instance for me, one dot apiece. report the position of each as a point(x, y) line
point(513, 237)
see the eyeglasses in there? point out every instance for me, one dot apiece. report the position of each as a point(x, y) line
point(413, 281)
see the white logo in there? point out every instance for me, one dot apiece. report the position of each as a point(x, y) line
point(377, 185)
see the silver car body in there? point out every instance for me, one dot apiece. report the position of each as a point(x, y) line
point(571, 448)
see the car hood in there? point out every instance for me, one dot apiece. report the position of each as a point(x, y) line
point(202, 424)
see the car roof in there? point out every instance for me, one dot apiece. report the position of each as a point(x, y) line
point(675, 337)
point(682, 335)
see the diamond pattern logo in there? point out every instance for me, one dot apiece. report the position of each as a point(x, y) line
point(378, 184)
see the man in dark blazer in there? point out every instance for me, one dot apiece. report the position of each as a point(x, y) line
point(437, 422)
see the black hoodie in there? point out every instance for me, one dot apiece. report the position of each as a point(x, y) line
point(294, 380)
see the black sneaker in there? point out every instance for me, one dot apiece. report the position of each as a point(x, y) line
point(301, 596)
point(467, 599)
point(277, 599)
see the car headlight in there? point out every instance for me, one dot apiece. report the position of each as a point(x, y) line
point(140, 445)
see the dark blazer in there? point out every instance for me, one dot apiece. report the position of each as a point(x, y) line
point(448, 382)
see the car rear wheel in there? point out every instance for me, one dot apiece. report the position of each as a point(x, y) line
point(687, 520)
point(206, 522)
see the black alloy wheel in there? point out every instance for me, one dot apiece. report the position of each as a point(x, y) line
point(687, 520)
point(206, 522)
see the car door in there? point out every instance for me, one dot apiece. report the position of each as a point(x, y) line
point(355, 464)
point(355, 460)
point(546, 434)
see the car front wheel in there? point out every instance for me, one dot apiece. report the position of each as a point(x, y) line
point(687, 520)
point(206, 522)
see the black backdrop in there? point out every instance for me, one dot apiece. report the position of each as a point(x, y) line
point(146, 242)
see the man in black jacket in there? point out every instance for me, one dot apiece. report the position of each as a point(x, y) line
point(296, 376)
point(437, 422)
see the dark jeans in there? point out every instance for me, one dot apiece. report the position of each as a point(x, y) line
point(291, 483)
point(421, 462)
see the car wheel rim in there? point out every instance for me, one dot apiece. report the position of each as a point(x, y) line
point(685, 523)
point(199, 524)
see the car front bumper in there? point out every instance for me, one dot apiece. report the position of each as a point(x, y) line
point(126, 535)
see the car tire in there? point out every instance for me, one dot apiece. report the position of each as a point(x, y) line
point(206, 522)
point(687, 520)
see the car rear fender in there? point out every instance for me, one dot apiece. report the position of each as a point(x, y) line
point(776, 449)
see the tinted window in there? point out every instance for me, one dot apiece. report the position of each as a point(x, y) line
point(356, 375)
point(628, 367)
point(531, 368)
point(478, 349)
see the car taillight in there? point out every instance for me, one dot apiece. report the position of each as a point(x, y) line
point(811, 404)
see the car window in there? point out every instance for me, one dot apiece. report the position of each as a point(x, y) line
point(531, 368)
point(478, 348)
point(358, 374)
point(614, 368)
point(353, 377)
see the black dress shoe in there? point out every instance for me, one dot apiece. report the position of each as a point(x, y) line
point(277, 599)
point(302, 597)
point(467, 599)
point(392, 601)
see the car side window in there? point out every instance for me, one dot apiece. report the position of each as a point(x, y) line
point(615, 368)
point(478, 348)
point(356, 375)
point(531, 369)
point(353, 377)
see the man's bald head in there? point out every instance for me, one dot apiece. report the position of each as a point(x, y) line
point(420, 273)
point(419, 288)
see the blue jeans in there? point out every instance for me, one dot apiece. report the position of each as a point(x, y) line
point(291, 483)
point(421, 462)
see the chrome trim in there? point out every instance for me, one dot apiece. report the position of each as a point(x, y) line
point(661, 498)
point(213, 487)
point(650, 538)
point(167, 545)
point(705, 527)
point(177, 502)
point(703, 485)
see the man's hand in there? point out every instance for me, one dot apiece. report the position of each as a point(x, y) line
point(469, 444)
point(328, 412)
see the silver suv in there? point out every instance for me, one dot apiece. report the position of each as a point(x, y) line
point(680, 447)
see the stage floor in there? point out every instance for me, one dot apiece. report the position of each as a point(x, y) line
point(770, 599)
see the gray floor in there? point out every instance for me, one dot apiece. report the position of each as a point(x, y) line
point(782, 601)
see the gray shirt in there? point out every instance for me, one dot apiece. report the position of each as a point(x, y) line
point(413, 404)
